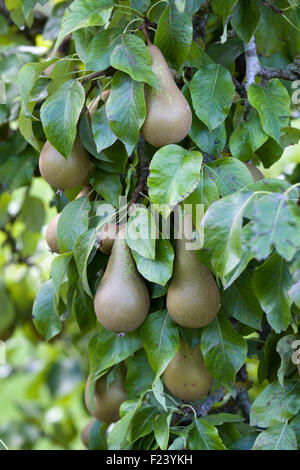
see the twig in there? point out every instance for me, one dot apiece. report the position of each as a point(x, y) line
point(270, 3)
point(204, 9)
point(106, 72)
point(291, 72)
point(143, 168)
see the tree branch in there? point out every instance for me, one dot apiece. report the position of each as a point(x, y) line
point(271, 4)
point(143, 168)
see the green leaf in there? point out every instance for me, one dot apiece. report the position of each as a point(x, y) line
point(229, 174)
point(73, 221)
point(44, 315)
point(117, 437)
point(84, 311)
point(161, 424)
point(212, 91)
point(132, 56)
point(285, 351)
point(60, 113)
point(280, 437)
point(272, 31)
point(275, 222)
point(160, 269)
point(223, 231)
point(108, 185)
point(290, 136)
point(139, 376)
point(174, 174)
point(58, 271)
point(174, 35)
point(25, 127)
point(220, 418)
point(269, 153)
point(160, 339)
point(84, 13)
point(205, 193)
point(223, 7)
point(245, 18)
point(240, 301)
point(32, 213)
point(224, 351)
point(103, 135)
point(141, 423)
point(275, 404)
point(126, 109)
point(141, 232)
point(271, 282)
point(204, 437)
point(82, 250)
point(107, 349)
point(247, 137)
point(273, 106)
point(100, 49)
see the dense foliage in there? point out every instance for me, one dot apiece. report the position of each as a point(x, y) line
point(236, 63)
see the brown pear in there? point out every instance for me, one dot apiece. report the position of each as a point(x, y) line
point(122, 298)
point(64, 173)
point(168, 114)
point(107, 397)
point(255, 172)
point(107, 237)
point(186, 375)
point(85, 433)
point(193, 297)
point(51, 234)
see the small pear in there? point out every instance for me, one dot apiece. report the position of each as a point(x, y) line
point(51, 234)
point(107, 398)
point(255, 172)
point(168, 114)
point(64, 173)
point(193, 297)
point(122, 298)
point(107, 237)
point(94, 104)
point(85, 433)
point(186, 375)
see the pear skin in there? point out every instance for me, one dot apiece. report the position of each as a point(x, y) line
point(255, 172)
point(107, 400)
point(51, 234)
point(122, 299)
point(186, 376)
point(168, 114)
point(85, 433)
point(193, 297)
point(64, 173)
point(107, 237)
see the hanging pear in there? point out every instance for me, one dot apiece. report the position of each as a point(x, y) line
point(107, 398)
point(122, 298)
point(255, 172)
point(85, 433)
point(186, 376)
point(64, 173)
point(193, 297)
point(168, 114)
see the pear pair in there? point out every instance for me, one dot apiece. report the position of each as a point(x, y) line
point(105, 401)
point(168, 114)
point(193, 297)
point(122, 299)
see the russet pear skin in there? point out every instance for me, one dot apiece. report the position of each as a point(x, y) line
point(168, 114)
point(51, 234)
point(107, 400)
point(255, 172)
point(122, 299)
point(62, 173)
point(186, 376)
point(193, 297)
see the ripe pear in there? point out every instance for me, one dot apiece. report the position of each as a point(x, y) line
point(64, 173)
point(51, 234)
point(168, 114)
point(122, 298)
point(186, 375)
point(255, 172)
point(193, 297)
point(107, 237)
point(107, 399)
point(85, 433)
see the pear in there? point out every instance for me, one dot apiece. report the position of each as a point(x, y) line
point(107, 237)
point(122, 298)
point(255, 172)
point(186, 376)
point(94, 104)
point(168, 114)
point(193, 297)
point(64, 173)
point(107, 398)
point(51, 234)
point(85, 433)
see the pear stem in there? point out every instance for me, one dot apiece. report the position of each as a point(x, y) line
point(144, 28)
